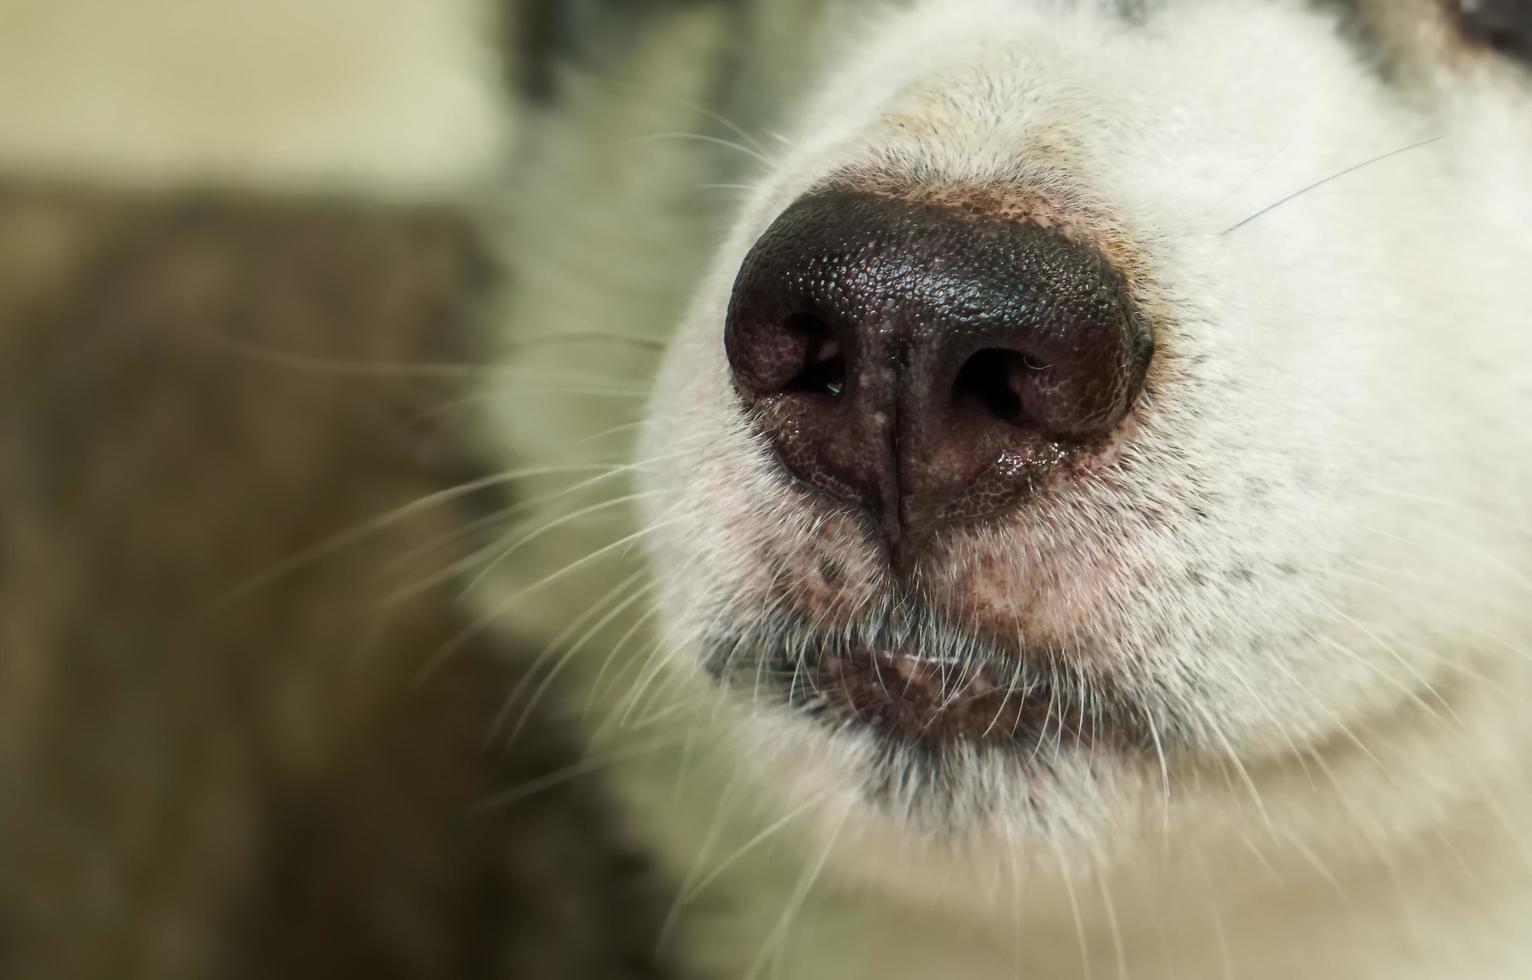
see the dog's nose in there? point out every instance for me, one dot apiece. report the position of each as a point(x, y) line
point(929, 363)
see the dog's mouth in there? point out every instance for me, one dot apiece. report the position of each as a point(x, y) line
point(889, 683)
point(933, 699)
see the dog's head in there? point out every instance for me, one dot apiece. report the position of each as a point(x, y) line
point(1099, 403)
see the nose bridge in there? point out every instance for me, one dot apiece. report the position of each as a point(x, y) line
point(905, 311)
point(895, 370)
point(876, 358)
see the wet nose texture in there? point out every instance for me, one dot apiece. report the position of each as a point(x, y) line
point(927, 364)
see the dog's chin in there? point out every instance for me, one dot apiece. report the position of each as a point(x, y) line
point(943, 758)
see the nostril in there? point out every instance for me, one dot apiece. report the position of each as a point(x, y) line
point(993, 382)
point(824, 359)
point(793, 353)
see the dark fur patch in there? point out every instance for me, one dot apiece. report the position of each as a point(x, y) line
point(1354, 26)
point(192, 391)
point(1503, 26)
point(543, 35)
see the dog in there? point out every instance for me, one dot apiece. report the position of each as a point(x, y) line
point(1004, 488)
point(1082, 482)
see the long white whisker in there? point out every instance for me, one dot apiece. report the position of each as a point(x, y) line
point(336, 542)
point(705, 138)
point(1333, 177)
point(587, 765)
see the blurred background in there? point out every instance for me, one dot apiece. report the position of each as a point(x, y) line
point(244, 268)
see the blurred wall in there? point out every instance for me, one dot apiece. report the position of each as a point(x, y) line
point(397, 94)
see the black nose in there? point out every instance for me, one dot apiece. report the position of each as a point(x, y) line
point(926, 363)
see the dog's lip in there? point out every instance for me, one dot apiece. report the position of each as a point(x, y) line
point(931, 699)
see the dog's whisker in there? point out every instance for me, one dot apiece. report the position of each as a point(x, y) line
point(588, 765)
point(1338, 175)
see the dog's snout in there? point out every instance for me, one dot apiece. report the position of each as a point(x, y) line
point(925, 362)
